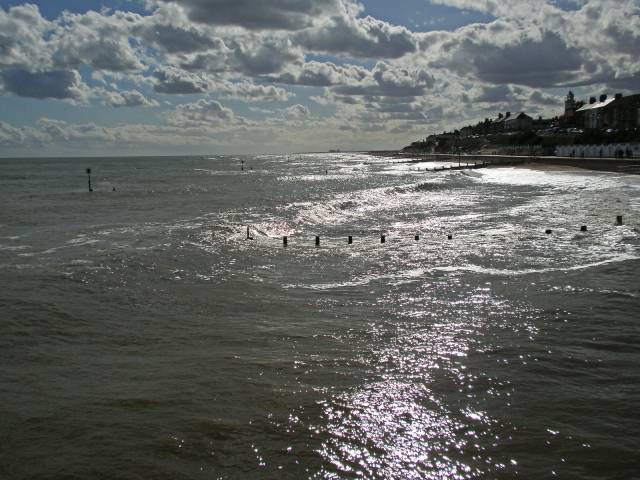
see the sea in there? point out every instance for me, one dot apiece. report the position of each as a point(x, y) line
point(144, 334)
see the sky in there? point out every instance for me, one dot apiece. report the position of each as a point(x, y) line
point(181, 77)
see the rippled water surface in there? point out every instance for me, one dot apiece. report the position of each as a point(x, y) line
point(143, 335)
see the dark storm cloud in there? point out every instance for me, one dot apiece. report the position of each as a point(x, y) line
point(495, 94)
point(546, 62)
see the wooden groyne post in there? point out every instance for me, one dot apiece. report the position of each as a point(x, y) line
point(89, 178)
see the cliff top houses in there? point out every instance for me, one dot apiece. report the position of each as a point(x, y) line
point(617, 112)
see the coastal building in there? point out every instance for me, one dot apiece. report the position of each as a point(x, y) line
point(571, 106)
point(617, 112)
point(497, 125)
point(592, 115)
point(511, 122)
point(518, 122)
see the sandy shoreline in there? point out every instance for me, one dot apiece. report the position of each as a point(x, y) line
point(619, 165)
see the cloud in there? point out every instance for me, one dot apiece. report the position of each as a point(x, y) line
point(99, 41)
point(69, 137)
point(503, 52)
point(172, 80)
point(22, 42)
point(259, 14)
point(174, 39)
point(542, 47)
point(202, 112)
point(176, 81)
point(298, 112)
point(127, 98)
point(544, 99)
point(247, 91)
point(11, 136)
point(321, 74)
point(388, 81)
point(246, 56)
point(543, 62)
point(257, 58)
point(62, 131)
point(358, 37)
point(59, 84)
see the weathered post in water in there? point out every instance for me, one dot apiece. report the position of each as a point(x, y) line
point(89, 177)
point(242, 165)
point(317, 241)
point(248, 234)
point(284, 241)
point(583, 228)
point(383, 239)
point(417, 237)
point(619, 219)
point(350, 240)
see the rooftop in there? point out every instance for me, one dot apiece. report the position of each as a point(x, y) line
point(595, 106)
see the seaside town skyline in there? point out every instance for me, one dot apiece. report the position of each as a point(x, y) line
point(161, 76)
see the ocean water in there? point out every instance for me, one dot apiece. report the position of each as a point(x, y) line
point(143, 336)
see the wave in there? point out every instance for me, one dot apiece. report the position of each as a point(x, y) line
point(529, 271)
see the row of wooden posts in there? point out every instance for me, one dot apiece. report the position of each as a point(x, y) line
point(383, 238)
